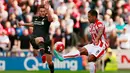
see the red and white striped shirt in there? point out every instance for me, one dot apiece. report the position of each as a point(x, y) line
point(94, 29)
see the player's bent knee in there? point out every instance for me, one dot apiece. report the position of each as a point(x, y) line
point(39, 39)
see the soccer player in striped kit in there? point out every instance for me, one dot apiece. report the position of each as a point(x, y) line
point(99, 44)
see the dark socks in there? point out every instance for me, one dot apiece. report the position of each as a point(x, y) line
point(51, 68)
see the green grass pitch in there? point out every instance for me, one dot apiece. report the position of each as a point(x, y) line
point(65, 71)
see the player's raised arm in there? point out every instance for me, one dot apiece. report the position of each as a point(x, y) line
point(49, 11)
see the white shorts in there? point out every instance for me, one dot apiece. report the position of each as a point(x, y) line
point(97, 51)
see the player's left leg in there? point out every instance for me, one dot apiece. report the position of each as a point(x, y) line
point(50, 63)
point(49, 56)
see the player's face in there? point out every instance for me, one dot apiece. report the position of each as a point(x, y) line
point(42, 12)
point(90, 18)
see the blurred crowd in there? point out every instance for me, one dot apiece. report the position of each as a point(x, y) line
point(69, 25)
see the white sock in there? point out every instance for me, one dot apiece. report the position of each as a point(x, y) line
point(92, 67)
point(72, 54)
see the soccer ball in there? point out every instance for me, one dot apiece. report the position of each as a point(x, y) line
point(59, 46)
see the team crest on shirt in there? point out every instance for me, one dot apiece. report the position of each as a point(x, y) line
point(97, 52)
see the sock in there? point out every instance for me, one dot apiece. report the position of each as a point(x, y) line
point(51, 67)
point(92, 67)
point(72, 54)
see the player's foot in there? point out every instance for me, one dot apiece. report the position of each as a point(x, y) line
point(57, 55)
point(43, 58)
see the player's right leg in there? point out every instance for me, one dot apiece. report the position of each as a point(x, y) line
point(36, 48)
point(76, 53)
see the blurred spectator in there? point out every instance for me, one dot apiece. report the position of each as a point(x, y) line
point(109, 12)
point(19, 31)
point(32, 6)
point(8, 28)
point(125, 15)
point(1, 26)
point(15, 9)
point(127, 27)
point(109, 5)
point(110, 27)
point(4, 41)
point(27, 13)
point(124, 40)
point(13, 20)
point(63, 26)
point(13, 39)
point(71, 39)
point(77, 3)
point(54, 25)
point(69, 22)
point(91, 4)
point(24, 39)
point(83, 24)
point(106, 20)
point(113, 39)
point(110, 61)
point(86, 6)
point(120, 26)
point(75, 15)
point(57, 3)
point(119, 12)
point(119, 4)
point(127, 5)
point(116, 19)
point(99, 7)
point(28, 19)
point(3, 13)
point(61, 10)
point(58, 36)
point(70, 4)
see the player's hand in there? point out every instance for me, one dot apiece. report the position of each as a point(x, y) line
point(21, 23)
point(47, 5)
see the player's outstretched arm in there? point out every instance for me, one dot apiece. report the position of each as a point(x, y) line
point(49, 11)
point(26, 24)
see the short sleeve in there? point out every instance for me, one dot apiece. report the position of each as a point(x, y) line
point(100, 25)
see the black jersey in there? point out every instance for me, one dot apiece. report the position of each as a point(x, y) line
point(41, 26)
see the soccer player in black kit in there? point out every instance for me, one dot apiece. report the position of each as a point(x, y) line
point(40, 38)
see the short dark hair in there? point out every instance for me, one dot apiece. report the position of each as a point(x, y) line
point(93, 12)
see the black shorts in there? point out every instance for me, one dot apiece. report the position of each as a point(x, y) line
point(47, 44)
